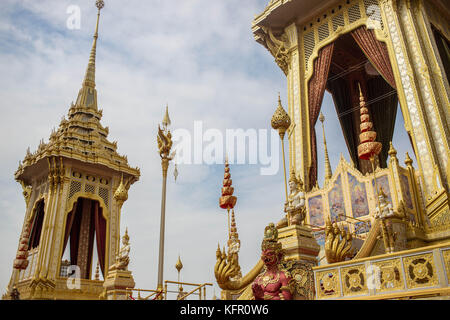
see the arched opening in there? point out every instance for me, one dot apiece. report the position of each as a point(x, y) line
point(36, 226)
point(85, 238)
point(355, 58)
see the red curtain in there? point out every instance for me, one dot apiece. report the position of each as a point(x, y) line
point(75, 234)
point(376, 51)
point(316, 90)
point(100, 234)
point(69, 223)
point(37, 226)
point(91, 238)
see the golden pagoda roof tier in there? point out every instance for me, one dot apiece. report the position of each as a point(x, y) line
point(80, 137)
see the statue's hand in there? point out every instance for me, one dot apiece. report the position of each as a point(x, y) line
point(258, 292)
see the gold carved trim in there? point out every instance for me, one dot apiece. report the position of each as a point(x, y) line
point(420, 271)
point(354, 280)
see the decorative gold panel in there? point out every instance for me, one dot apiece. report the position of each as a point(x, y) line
point(354, 280)
point(328, 284)
point(446, 255)
point(388, 275)
point(420, 271)
point(75, 187)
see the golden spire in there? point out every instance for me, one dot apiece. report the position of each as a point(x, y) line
point(166, 120)
point(87, 96)
point(328, 172)
point(89, 78)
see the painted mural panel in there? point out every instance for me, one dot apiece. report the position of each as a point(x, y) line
point(320, 237)
point(358, 196)
point(336, 201)
point(362, 227)
point(383, 182)
point(406, 192)
point(315, 206)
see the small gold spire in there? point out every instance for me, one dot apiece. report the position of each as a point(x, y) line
point(328, 171)
point(179, 264)
point(97, 272)
point(166, 120)
point(408, 160)
point(89, 78)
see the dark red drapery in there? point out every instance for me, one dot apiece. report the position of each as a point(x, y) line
point(91, 238)
point(376, 51)
point(69, 223)
point(75, 234)
point(316, 90)
point(100, 234)
point(37, 225)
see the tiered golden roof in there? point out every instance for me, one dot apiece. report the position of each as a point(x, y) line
point(81, 136)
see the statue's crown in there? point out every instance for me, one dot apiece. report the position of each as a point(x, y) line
point(126, 237)
point(293, 178)
point(381, 193)
point(270, 240)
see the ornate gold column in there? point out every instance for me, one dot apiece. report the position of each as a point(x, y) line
point(404, 52)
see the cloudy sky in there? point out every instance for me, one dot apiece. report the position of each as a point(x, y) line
point(197, 56)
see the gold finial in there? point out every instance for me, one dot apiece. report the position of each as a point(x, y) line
point(99, 4)
point(121, 193)
point(280, 119)
point(179, 264)
point(166, 120)
point(321, 117)
point(97, 272)
point(408, 160)
point(328, 171)
point(281, 122)
point(392, 152)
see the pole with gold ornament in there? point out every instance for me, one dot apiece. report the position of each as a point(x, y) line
point(164, 139)
point(227, 200)
point(281, 122)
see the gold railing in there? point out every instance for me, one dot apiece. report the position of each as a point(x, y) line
point(152, 294)
point(414, 273)
point(201, 288)
point(143, 294)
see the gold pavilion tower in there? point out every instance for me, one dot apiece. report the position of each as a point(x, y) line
point(74, 188)
point(384, 230)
